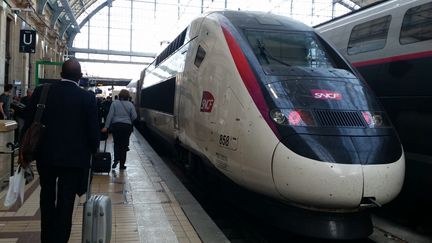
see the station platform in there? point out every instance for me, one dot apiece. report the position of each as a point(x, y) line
point(149, 205)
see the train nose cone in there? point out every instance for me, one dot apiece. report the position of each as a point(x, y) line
point(384, 182)
point(325, 185)
point(315, 183)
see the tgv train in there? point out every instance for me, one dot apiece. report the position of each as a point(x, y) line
point(390, 44)
point(265, 101)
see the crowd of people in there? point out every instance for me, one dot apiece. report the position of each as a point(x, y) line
point(120, 120)
point(74, 120)
point(12, 107)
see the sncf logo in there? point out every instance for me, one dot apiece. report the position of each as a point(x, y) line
point(207, 102)
point(325, 94)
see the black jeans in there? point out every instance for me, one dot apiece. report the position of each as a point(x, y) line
point(121, 133)
point(57, 206)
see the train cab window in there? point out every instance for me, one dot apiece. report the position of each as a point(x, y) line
point(199, 56)
point(288, 49)
point(369, 36)
point(417, 24)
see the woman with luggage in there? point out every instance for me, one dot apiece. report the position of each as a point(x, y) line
point(120, 119)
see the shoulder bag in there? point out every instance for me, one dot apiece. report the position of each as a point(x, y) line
point(34, 133)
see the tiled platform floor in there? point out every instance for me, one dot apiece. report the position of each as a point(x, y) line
point(144, 208)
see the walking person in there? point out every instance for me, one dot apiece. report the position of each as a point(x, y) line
point(5, 101)
point(63, 156)
point(106, 106)
point(26, 99)
point(120, 119)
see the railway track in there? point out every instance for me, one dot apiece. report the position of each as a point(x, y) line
point(224, 203)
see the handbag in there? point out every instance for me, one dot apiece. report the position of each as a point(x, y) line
point(34, 133)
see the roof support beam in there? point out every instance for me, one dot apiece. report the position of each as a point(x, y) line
point(345, 4)
point(111, 61)
point(86, 19)
point(55, 16)
point(41, 6)
point(70, 14)
point(110, 52)
point(64, 27)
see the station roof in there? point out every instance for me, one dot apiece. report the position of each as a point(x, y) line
point(73, 14)
point(363, 3)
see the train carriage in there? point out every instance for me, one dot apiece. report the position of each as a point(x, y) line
point(390, 44)
point(266, 102)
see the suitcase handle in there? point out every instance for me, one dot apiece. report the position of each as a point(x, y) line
point(106, 140)
point(88, 193)
point(104, 137)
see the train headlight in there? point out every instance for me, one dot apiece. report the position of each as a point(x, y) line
point(375, 119)
point(278, 116)
point(292, 117)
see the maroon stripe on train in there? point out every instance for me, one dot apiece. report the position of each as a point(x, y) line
point(249, 79)
point(393, 59)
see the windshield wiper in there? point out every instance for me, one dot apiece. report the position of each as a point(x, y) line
point(263, 51)
point(266, 54)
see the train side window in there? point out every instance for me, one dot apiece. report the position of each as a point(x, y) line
point(369, 36)
point(159, 97)
point(417, 24)
point(199, 56)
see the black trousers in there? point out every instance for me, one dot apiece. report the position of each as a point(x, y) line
point(57, 205)
point(121, 134)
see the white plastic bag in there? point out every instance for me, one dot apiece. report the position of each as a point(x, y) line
point(16, 188)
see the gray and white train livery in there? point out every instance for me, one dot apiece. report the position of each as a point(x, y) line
point(269, 104)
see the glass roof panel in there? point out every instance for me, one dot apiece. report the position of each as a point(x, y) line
point(82, 8)
point(92, 5)
point(145, 26)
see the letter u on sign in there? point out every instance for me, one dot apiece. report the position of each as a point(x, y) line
point(27, 41)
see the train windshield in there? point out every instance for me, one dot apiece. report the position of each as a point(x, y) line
point(321, 93)
point(288, 49)
point(303, 73)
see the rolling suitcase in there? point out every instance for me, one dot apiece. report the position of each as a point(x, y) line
point(97, 218)
point(102, 161)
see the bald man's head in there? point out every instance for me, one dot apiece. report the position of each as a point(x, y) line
point(71, 69)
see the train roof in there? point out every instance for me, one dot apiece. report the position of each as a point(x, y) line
point(377, 8)
point(251, 19)
point(243, 20)
point(372, 5)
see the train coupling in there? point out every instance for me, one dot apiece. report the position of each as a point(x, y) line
point(369, 202)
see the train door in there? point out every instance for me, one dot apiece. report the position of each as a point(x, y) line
point(205, 97)
point(205, 90)
point(187, 102)
point(209, 108)
point(179, 82)
point(224, 122)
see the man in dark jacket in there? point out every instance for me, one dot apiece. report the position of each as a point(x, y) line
point(5, 100)
point(26, 99)
point(63, 157)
